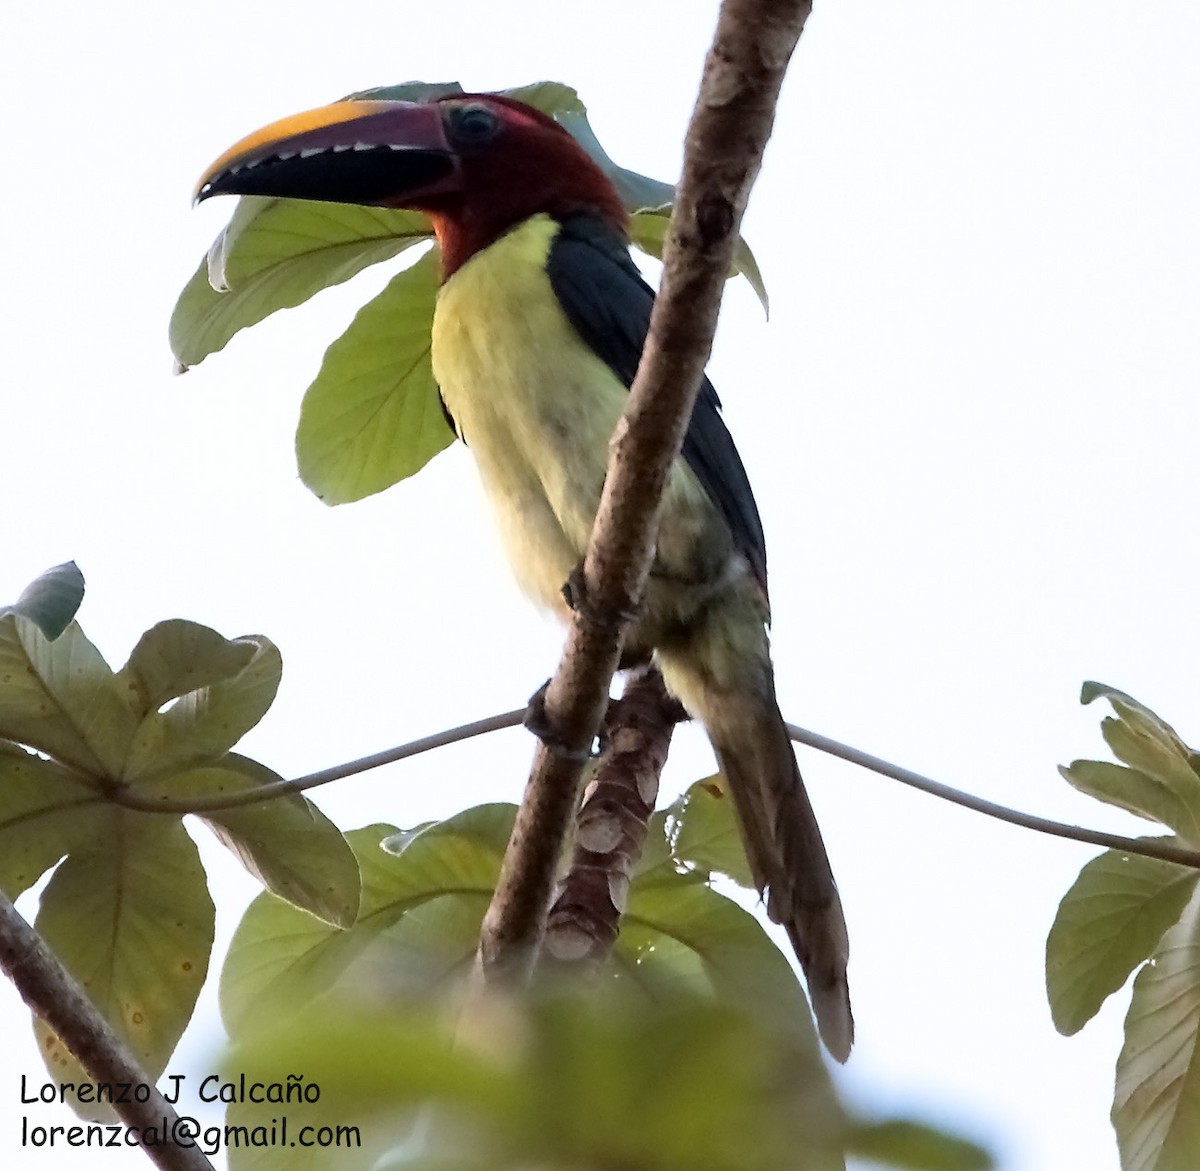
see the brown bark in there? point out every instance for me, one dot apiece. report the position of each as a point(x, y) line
point(610, 827)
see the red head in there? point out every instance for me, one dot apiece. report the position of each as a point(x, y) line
point(478, 164)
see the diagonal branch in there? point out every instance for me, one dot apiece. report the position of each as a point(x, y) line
point(50, 991)
point(730, 125)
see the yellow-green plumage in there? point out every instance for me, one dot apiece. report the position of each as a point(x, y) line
point(537, 408)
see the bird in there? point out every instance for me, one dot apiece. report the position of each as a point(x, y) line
point(539, 325)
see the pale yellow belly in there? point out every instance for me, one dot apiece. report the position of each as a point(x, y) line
point(535, 406)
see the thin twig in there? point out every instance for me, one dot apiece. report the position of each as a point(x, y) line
point(129, 798)
point(51, 992)
point(729, 128)
point(1043, 825)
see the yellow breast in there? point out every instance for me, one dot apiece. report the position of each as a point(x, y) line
point(533, 403)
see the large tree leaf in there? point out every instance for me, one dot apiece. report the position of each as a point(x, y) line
point(420, 917)
point(275, 254)
point(61, 697)
point(1156, 1110)
point(131, 919)
point(283, 957)
point(1108, 923)
point(689, 936)
point(51, 600)
point(285, 841)
point(373, 416)
point(45, 811)
point(595, 1081)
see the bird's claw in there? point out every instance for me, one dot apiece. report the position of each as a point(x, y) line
point(537, 720)
point(578, 598)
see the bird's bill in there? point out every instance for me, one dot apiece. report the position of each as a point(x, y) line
point(381, 154)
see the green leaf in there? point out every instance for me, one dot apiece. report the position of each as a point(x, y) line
point(131, 919)
point(1156, 1109)
point(45, 811)
point(406, 91)
point(1136, 791)
point(275, 254)
point(330, 242)
point(178, 656)
point(1162, 782)
point(590, 1081)
point(61, 698)
point(618, 1080)
point(1108, 923)
point(204, 723)
point(285, 841)
point(373, 416)
point(899, 1142)
point(374, 1066)
point(462, 852)
point(282, 957)
point(551, 97)
point(420, 917)
point(1128, 707)
point(703, 832)
point(688, 936)
point(51, 600)
point(1176, 801)
point(648, 230)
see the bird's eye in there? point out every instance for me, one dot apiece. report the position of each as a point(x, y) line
point(472, 124)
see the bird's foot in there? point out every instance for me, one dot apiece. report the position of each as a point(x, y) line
point(578, 598)
point(537, 720)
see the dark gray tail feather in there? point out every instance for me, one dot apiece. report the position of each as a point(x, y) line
point(785, 850)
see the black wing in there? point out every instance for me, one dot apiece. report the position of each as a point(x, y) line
point(608, 303)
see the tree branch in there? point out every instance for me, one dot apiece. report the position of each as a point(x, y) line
point(51, 992)
point(512, 719)
point(610, 828)
point(723, 151)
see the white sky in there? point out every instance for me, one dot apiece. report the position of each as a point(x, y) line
point(970, 423)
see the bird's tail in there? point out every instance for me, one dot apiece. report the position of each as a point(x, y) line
point(783, 842)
